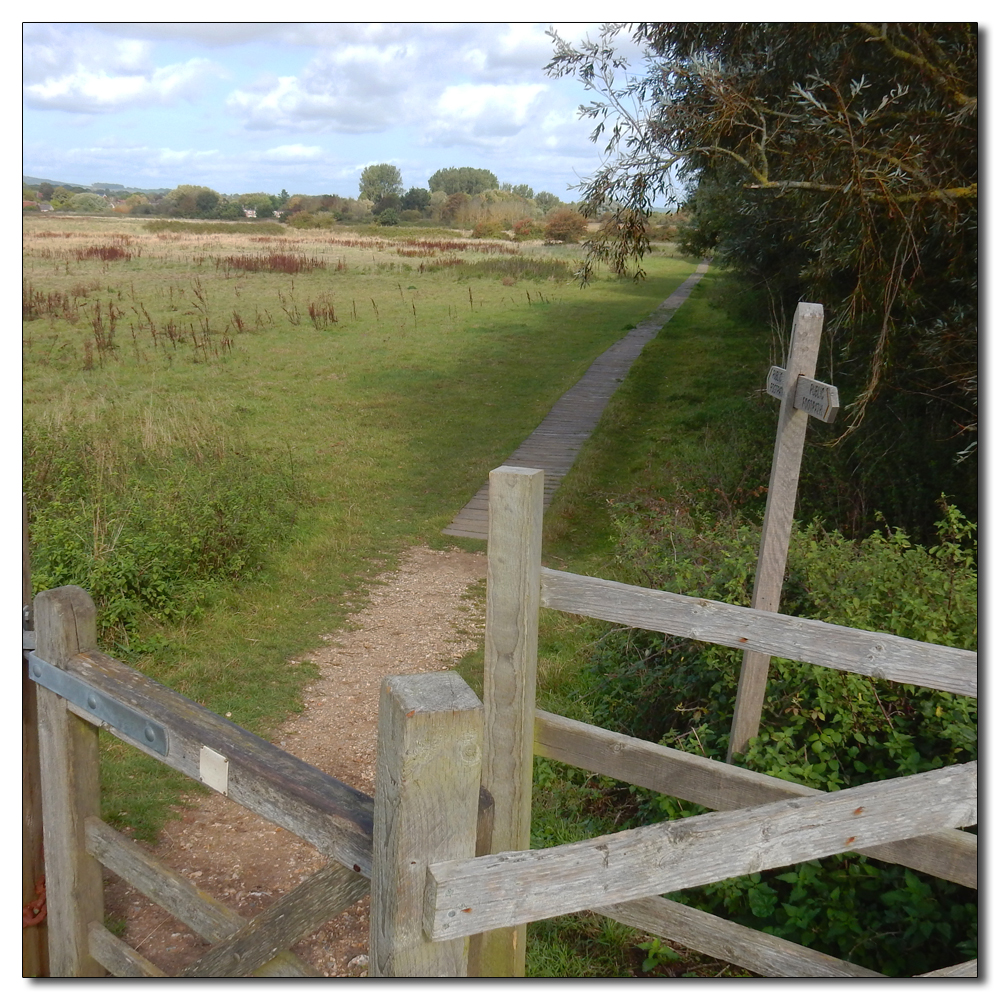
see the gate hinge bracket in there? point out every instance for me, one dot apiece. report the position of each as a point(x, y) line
point(126, 720)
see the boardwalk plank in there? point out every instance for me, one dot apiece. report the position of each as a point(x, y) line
point(556, 442)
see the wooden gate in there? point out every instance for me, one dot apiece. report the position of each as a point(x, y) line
point(430, 736)
point(81, 690)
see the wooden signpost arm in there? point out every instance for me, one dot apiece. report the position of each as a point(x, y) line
point(802, 354)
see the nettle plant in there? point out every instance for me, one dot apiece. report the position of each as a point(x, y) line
point(820, 727)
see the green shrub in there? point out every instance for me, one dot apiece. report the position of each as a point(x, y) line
point(148, 535)
point(881, 583)
point(820, 727)
point(565, 225)
point(303, 220)
point(488, 229)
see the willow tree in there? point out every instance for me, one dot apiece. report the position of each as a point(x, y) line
point(827, 161)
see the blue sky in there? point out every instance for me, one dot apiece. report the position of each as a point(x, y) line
point(250, 106)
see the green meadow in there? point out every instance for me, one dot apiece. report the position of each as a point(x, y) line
point(230, 428)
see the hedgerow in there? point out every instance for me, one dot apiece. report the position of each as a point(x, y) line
point(820, 727)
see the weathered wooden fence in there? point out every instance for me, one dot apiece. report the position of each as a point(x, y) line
point(761, 822)
point(444, 845)
point(81, 690)
point(443, 848)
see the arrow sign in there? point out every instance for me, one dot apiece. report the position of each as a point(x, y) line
point(817, 398)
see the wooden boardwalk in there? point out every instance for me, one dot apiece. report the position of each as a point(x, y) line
point(555, 443)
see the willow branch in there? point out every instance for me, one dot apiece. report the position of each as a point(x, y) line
point(879, 35)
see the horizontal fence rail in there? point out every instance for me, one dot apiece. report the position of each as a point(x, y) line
point(872, 654)
point(950, 854)
point(243, 947)
point(753, 950)
point(335, 818)
point(81, 690)
point(465, 897)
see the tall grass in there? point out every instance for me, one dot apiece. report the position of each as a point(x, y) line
point(517, 268)
point(151, 514)
point(227, 228)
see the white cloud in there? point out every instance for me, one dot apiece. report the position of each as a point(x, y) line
point(52, 50)
point(482, 112)
point(87, 91)
point(293, 153)
point(82, 70)
point(209, 33)
point(355, 89)
point(371, 77)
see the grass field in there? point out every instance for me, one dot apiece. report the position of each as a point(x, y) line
point(383, 377)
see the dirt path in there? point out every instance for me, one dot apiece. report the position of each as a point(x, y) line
point(418, 619)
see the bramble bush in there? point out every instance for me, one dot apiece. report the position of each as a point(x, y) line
point(488, 229)
point(820, 727)
point(149, 535)
point(565, 225)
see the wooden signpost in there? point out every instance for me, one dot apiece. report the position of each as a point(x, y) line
point(809, 398)
point(817, 398)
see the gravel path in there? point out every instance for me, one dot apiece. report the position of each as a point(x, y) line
point(419, 618)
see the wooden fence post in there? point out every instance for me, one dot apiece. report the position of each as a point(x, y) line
point(802, 354)
point(428, 767)
point(34, 943)
point(513, 588)
point(65, 624)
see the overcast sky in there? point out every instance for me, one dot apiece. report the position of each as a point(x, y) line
point(249, 106)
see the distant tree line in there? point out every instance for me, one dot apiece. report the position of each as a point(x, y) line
point(454, 196)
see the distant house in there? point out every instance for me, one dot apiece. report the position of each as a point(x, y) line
point(250, 213)
point(45, 206)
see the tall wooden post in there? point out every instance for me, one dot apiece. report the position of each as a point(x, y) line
point(513, 572)
point(34, 939)
point(66, 624)
point(788, 446)
point(428, 767)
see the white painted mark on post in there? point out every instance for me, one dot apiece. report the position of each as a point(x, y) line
point(818, 399)
point(213, 769)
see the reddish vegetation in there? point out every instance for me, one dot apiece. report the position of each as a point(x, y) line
point(284, 263)
point(103, 253)
point(36, 304)
point(322, 314)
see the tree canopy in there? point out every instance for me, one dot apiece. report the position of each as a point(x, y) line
point(831, 162)
point(380, 179)
point(463, 180)
point(416, 199)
